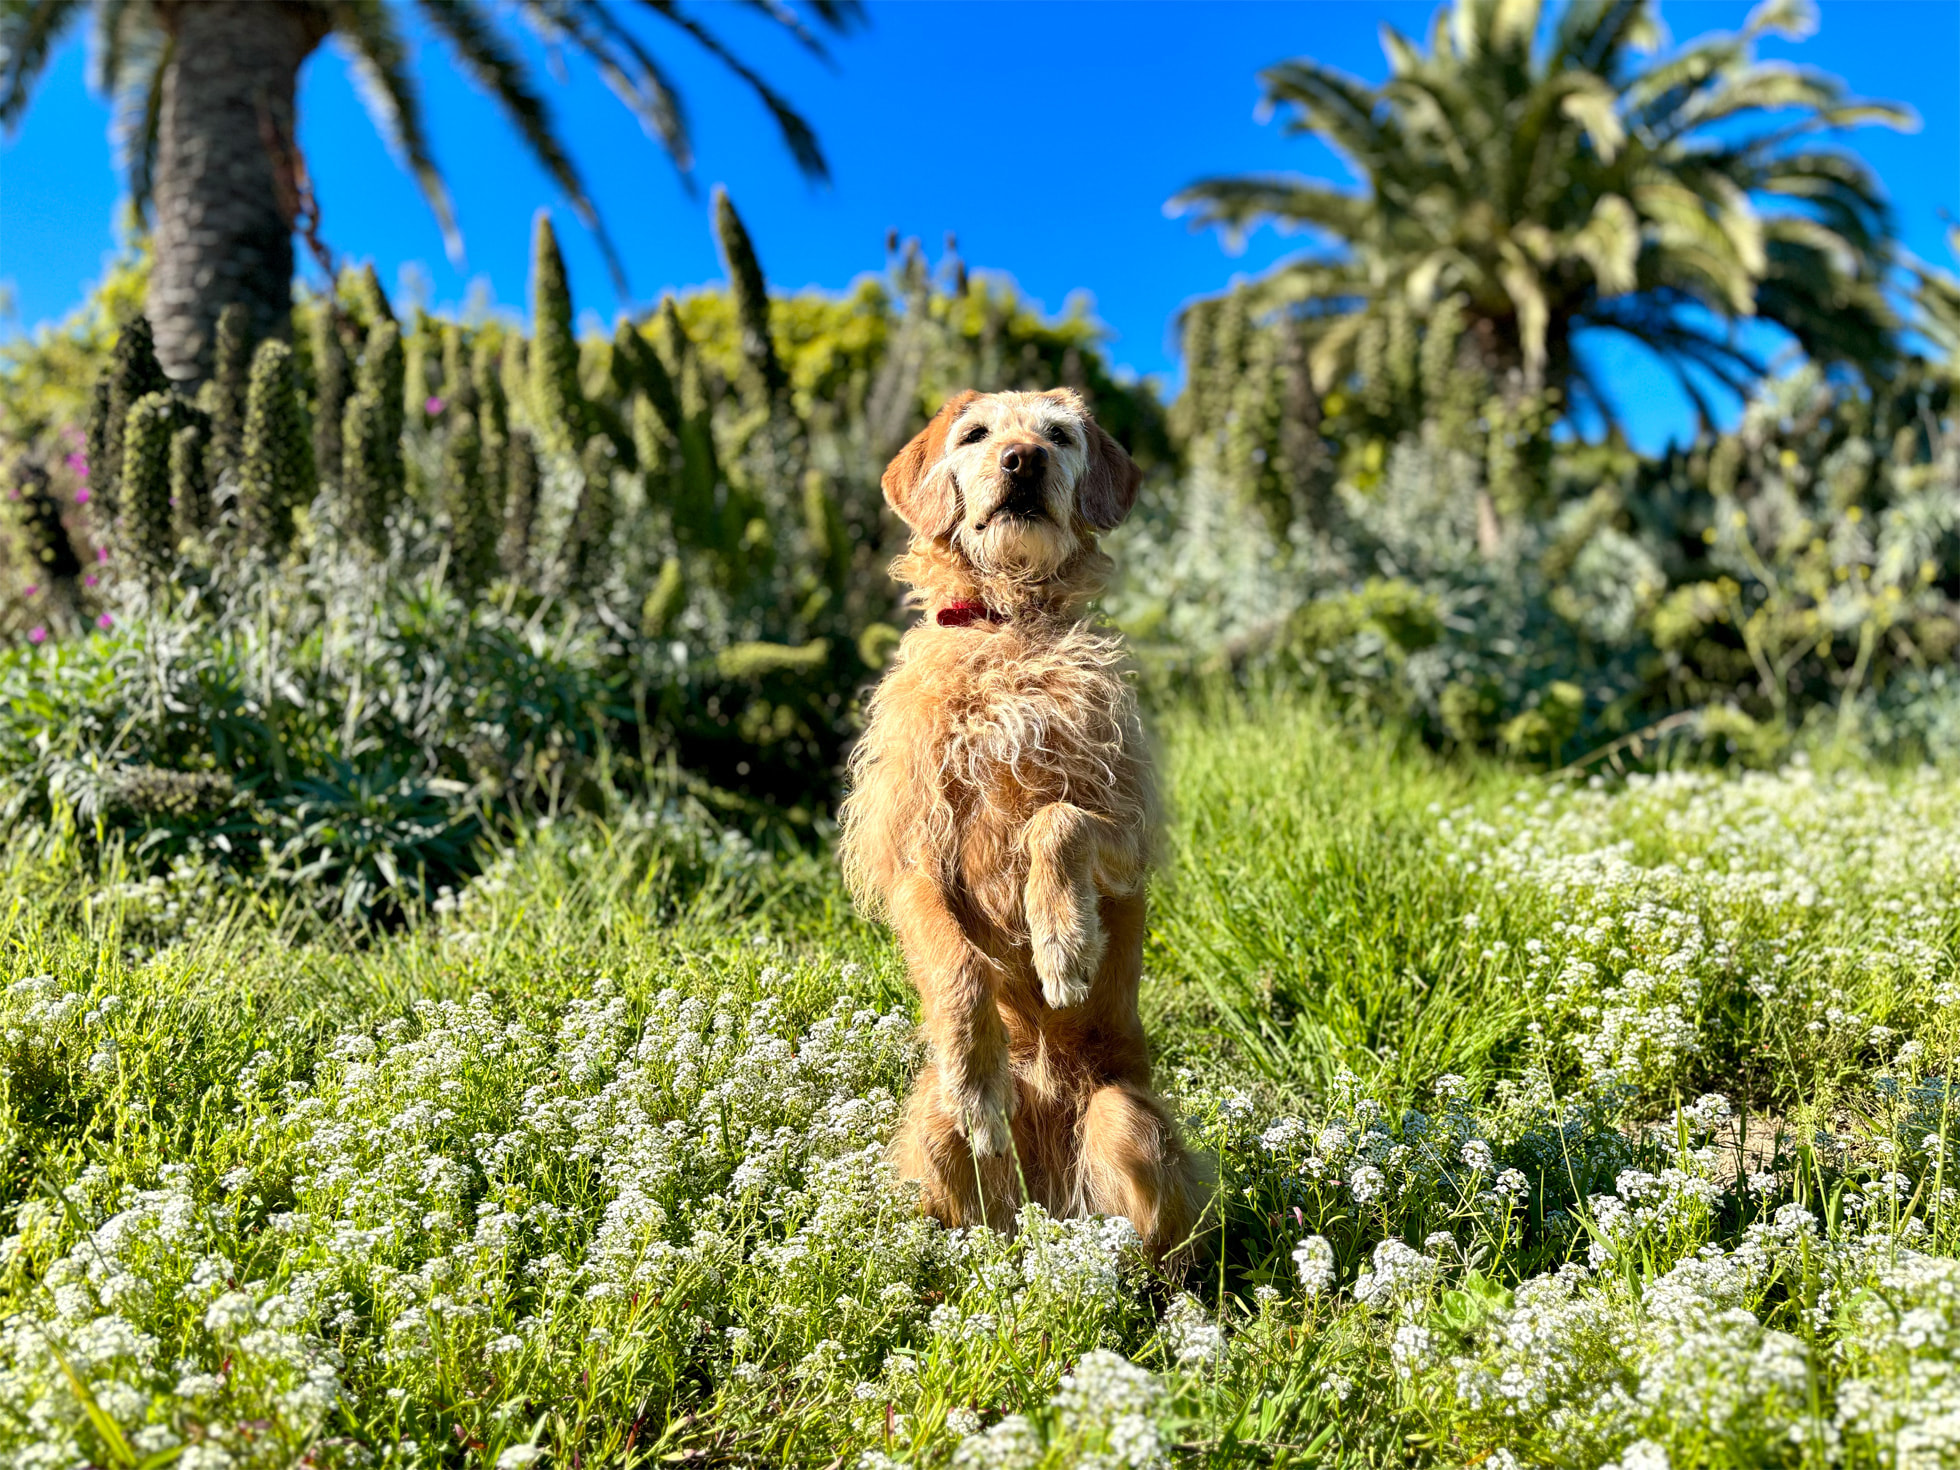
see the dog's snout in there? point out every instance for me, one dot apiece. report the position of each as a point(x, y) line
point(1018, 461)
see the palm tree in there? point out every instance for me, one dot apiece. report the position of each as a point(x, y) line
point(205, 106)
point(1553, 181)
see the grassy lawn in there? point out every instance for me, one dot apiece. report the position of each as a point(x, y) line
point(1557, 1125)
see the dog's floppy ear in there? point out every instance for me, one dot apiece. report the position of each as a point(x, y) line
point(1109, 485)
point(914, 482)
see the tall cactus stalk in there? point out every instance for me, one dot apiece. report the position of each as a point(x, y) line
point(224, 396)
point(558, 411)
point(275, 472)
point(372, 473)
point(190, 479)
point(333, 387)
point(473, 528)
point(590, 537)
point(369, 300)
point(133, 372)
point(520, 504)
point(146, 522)
point(493, 425)
point(47, 544)
point(696, 515)
point(747, 285)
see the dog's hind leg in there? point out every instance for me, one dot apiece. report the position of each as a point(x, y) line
point(1133, 1164)
point(955, 1187)
point(956, 996)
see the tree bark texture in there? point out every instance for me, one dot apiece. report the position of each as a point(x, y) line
point(226, 191)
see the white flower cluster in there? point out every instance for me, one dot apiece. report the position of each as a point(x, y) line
point(1103, 1415)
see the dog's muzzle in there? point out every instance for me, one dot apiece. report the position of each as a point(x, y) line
point(1025, 468)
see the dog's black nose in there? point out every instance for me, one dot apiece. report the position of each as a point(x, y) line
point(1018, 461)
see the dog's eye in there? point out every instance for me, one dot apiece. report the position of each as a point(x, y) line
point(974, 435)
point(1059, 433)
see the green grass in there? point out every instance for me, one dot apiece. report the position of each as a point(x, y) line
point(587, 1163)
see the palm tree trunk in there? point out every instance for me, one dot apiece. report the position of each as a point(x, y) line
point(226, 193)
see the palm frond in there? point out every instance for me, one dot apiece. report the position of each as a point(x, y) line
point(1236, 205)
point(379, 60)
point(29, 31)
point(836, 17)
point(797, 135)
point(1593, 35)
point(1330, 103)
point(136, 91)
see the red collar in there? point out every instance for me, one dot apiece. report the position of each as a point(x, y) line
point(964, 614)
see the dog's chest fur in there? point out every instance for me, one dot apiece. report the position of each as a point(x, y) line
point(974, 729)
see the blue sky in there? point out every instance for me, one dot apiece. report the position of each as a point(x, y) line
point(1047, 136)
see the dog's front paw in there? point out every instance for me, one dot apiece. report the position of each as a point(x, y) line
point(982, 1111)
point(1067, 955)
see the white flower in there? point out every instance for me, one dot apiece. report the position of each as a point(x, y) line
point(1314, 1258)
point(1365, 1183)
point(229, 1312)
point(1012, 1444)
point(1642, 1454)
point(1477, 1156)
point(519, 1457)
point(1194, 1338)
point(1411, 1349)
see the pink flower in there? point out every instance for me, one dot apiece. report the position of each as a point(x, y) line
point(105, 622)
point(101, 553)
point(90, 580)
point(32, 588)
point(37, 635)
point(81, 496)
point(432, 407)
point(79, 464)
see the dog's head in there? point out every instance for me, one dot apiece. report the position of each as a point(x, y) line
point(1016, 484)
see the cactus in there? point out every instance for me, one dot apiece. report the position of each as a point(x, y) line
point(458, 375)
point(331, 391)
point(145, 523)
point(385, 370)
point(364, 471)
point(590, 535)
point(762, 369)
point(664, 600)
point(275, 472)
point(372, 474)
point(824, 532)
point(190, 480)
point(101, 470)
point(755, 660)
point(520, 504)
point(514, 377)
point(493, 425)
point(638, 369)
point(422, 378)
point(369, 301)
point(133, 372)
point(696, 516)
point(45, 537)
point(224, 396)
point(558, 408)
point(473, 527)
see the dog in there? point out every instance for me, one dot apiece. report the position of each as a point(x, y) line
point(1002, 817)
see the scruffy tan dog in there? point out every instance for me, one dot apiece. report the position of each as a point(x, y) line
point(1002, 817)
